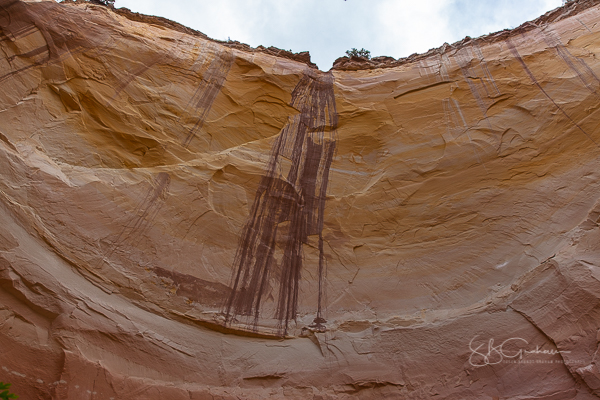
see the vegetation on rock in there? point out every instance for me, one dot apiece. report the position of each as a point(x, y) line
point(359, 53)
point(4, 393)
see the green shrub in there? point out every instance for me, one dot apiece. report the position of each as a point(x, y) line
point(359, 53)
point(4, 393)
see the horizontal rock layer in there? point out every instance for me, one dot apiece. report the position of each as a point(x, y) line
point(182, 218)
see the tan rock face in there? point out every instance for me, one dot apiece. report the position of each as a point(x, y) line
point(183, 218)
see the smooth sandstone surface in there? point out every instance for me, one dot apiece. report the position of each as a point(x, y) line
point(182, 218)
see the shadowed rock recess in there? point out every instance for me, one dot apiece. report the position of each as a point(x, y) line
point(183, 218)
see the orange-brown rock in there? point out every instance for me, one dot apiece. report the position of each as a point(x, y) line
point(182, 218)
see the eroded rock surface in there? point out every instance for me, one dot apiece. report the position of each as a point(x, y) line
point(186, 219)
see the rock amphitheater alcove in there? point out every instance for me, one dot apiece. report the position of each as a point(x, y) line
point(183, 218)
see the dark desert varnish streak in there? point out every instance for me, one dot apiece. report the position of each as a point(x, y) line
point(145, 213)
point(289, 204)
point(207, 91)
point(516, 54)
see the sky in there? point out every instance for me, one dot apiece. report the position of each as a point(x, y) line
point(327, 28)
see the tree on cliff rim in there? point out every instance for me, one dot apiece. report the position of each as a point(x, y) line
point(359, 53)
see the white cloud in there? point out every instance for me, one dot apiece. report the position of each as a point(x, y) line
point(409, 26)
point(327, 28)
point(475, 18)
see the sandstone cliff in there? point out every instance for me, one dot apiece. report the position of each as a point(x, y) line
point(182, 218)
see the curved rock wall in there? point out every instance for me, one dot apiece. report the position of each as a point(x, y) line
point(182, 218)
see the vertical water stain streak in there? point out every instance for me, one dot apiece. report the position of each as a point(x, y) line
point(585, 74)
point(516, 54)
point(130, 75)
point(489, 83)
point(15, 31)
point(24, 27)
point(456, 124)
point(144, 213)
point(207, 91)
point(289, 202)
point(480, 86)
